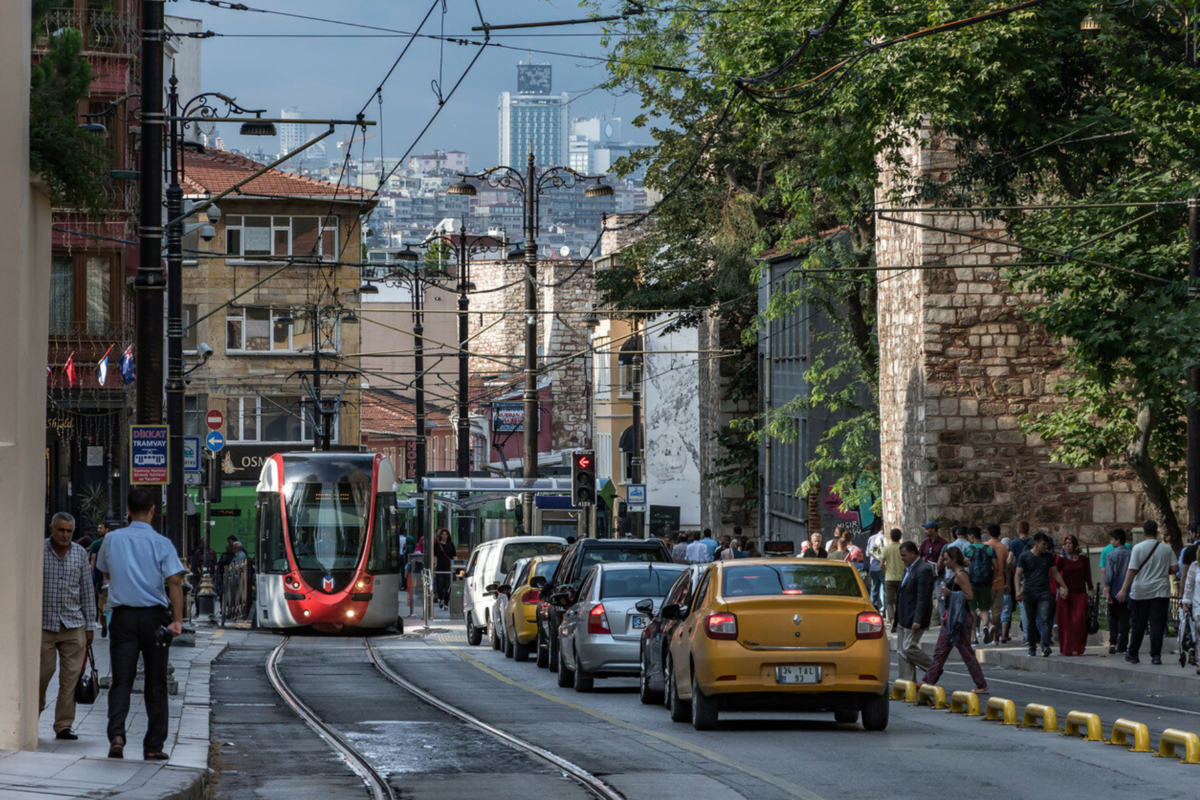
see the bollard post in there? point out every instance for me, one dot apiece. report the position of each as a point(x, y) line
point(1121, 731)
point(935, 695)
point(904, 690)
point(1077, 720)
point(964, 702)
point(1036, 711)
point(1000, 710)
point(1172, 739)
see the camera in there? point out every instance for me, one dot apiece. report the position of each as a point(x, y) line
point(163, 636)
point(204, 350)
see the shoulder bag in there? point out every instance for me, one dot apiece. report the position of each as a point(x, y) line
point(88, 688)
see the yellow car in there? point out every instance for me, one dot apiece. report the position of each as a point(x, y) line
point(775, 633)
point(520, 613)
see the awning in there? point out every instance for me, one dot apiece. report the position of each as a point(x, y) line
point(632, 345)
point(626, 443)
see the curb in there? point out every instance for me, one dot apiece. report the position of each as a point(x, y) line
point(170, 783)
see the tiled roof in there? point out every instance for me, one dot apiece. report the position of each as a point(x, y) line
point(213, 171)
point(388, 412)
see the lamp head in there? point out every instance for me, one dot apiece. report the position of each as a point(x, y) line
point(257, 128)
point(463, 188)
point(368, 288)
point(407, 255)
point(598, 190)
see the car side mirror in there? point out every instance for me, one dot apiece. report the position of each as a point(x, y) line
point(538, 582)
point(645, 606)
point(671, 611)
point(491, 588)
point(504, 590)
point(560, 599)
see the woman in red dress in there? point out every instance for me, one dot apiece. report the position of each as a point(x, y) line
point(1076, 571)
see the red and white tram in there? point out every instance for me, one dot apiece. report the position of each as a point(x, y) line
point(328, 541)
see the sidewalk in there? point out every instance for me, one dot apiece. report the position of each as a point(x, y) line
point(66, 769)
point(1095, 664)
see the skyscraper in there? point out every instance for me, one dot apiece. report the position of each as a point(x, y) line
point(291, 134)
point(533, 117)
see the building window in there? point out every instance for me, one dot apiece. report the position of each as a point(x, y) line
point(604, 456)
point(81, 294)
point(265, 330)
point(265, 237)
point(195, 408)
point(190, 331)
point(271, 418)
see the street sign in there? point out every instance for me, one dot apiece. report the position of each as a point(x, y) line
point(214, 419)
point(214, 441)
point(635, 495)
point(148, 445)
point(192, 479)
point(191, 454)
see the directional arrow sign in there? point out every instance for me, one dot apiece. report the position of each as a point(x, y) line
point(214, 441)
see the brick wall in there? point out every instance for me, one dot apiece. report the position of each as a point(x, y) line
point(960, 365)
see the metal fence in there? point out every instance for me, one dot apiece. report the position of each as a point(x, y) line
point(237, 596)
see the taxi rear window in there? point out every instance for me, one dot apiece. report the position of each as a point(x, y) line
point(788, 579)
point(632, 555)
point(638, 582)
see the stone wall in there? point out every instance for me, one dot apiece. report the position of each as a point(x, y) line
point(566, 289)
point(960, 366)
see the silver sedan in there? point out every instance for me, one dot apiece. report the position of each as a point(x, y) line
point(601, 632)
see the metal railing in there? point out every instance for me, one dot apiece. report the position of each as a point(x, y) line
point(237, 597)
point(101, 30)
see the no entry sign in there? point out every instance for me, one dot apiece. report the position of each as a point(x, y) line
point(214, 419)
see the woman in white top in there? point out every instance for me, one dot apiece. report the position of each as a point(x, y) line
point(1190, 601)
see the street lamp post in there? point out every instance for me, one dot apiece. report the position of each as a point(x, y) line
point(531, 185)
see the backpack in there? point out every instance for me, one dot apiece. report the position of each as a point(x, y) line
point(981, 565)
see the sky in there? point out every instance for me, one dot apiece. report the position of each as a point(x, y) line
point(334, 77)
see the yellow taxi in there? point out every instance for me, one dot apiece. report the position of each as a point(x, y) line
point(520, 613)
point(775, 634)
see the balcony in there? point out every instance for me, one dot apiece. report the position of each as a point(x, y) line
point(106, 32)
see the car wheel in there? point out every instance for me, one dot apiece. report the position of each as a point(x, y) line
point(648, 695)
point(493, 637)
point(474, 635)
point(846, 716)
point(875, 712)
point(520, 651)
point(704, 709)
point(508, 646)
point(565, 676)
point(543, 652)
point(551, 647)
point(679, 709)
point(584, 682)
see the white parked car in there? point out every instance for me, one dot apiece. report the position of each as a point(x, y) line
point(488, 565)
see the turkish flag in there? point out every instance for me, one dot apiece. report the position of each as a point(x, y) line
point(70, 368)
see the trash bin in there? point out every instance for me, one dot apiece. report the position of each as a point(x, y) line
point(457, 585)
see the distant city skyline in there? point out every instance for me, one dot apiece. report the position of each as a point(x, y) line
point(267, 65)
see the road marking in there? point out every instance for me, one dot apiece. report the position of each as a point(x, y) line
point(793, 789)
point(219, 634)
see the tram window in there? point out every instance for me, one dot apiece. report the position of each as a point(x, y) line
point(272, 552)
point(326, 524)
point(385, 549)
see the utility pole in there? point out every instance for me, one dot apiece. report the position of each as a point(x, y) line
point(419, 366)
point(464, 424)
point(175, 385)
point(635, 458)
point(1193, 412)
point(321, 429)
point(530, 460)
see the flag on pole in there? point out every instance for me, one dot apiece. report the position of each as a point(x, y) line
point(104, 365)
point(127, 374)
point(70, 369)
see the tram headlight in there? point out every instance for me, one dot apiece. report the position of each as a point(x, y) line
point(361, 584)
point(350, 613)
point(307, 613)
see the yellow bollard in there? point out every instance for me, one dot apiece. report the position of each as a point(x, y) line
point(1172, 739)
point(1121, 731)
point(1036, 711)
point(999, 709)
point(964, 702)
point(904, 690)
point(1077, 720)
point(935, 695)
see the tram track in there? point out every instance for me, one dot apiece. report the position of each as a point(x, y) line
point(377, 783)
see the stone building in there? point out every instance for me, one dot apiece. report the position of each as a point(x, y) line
point(252, 292)
point(960, 367)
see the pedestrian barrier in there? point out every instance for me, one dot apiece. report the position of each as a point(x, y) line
point(1036, 711)
point(1172, 739)
point(1121, 731)
point(904, 690)
point(935, 695)
point(1077, 720)
point(1000, 710)
point(964, 702)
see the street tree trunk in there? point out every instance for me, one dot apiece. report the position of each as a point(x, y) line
point(1143, 465)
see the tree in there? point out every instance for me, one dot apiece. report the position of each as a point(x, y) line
point(70, 159)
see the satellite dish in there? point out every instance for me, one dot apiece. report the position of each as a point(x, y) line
point(564, 251)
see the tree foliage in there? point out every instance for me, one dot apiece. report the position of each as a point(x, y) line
point(1042, 113)
point(72, 161)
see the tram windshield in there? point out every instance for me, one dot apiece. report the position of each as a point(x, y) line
point(327, 523)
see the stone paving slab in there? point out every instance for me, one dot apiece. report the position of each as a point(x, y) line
point(76, 769)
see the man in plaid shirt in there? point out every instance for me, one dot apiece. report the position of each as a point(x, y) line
point(68, 619)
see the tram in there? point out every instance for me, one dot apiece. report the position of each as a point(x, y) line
point(328, 552)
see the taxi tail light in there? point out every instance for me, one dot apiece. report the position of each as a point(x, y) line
point(531, 597)
point(870, 625)
point(598, 620)
point(721, 626)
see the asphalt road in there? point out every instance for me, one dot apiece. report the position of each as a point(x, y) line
point(268, 752)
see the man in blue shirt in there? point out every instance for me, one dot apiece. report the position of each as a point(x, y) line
point(711, 543)
point(137, 562)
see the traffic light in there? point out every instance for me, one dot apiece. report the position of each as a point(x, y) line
point(583, 479)
point(210, 468)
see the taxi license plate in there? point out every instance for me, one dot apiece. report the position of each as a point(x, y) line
point(639, 622)
point(797, 674)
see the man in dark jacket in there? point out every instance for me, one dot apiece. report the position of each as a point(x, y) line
point(914, 607)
